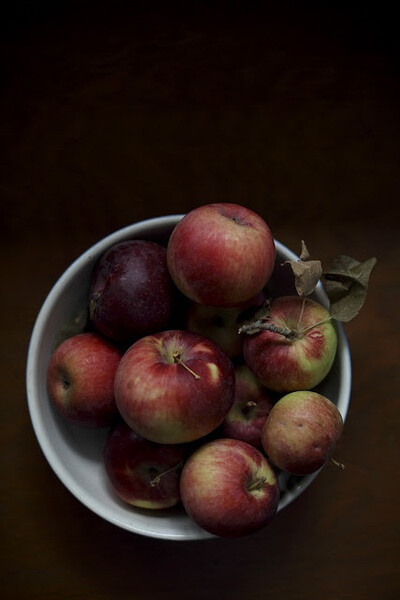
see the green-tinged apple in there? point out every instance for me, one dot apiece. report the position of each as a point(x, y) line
point(251, 406)
point(229, 488)
point(220, 324)
point(299, 353)
point(80, 379)
point(143, 473)
point(301, 432)
point(174, 386)
point(221, 254)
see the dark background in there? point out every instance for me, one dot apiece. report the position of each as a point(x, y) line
point(110, 114)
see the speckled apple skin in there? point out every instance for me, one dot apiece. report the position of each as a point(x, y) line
point(285, 365)
point(301, 432)
point(214, 488)
point(221, 254)
point(164, 402)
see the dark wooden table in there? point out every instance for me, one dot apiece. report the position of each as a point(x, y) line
point(109, 116)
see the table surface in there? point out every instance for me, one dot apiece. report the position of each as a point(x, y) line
point(112, 116)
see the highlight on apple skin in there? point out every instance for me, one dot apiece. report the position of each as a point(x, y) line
point(143, 473)
point(80, 380)
point(301, 432)
point(174, 386)
point(221, 254)
point(299, 362)
point(131, 293)
point(229, 488)
point(251, 406)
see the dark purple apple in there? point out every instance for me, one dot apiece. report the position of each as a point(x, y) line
point(131, 292)
point(143, 473)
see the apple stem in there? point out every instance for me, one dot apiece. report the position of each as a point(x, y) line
point(303, 331)
point(177, 359)
point(337, 464)
point(301, 314)
point(156, 480)
point(256, 485)
point(248, 406)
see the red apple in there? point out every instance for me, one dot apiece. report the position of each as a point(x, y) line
point(229, 488)
point(301, 360)
point(251, 406)
point(220, 324)
point(80, 379)
point(301, 432)
point(174, 386)
point(143, 473)
point(221, 254)
point(131, 293)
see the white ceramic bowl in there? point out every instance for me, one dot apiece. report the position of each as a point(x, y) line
point(75, 454)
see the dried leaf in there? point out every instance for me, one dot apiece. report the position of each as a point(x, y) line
point(346, 283)
point(306, 272)
point(304, 255)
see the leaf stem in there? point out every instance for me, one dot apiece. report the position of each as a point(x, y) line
point(303, 331)
point(301, 314)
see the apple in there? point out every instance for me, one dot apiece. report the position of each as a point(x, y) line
point(219, 324)
point(80, 379)
point(221, 254)
point(301, 432)
point(251, 406)
point(174, 386)
point(299, 361)
point(229, 488)
point(131, 292)
point(143, 473)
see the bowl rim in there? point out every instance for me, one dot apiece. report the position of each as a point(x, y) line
point(93, 252)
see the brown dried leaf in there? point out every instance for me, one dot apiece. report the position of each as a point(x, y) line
point(346, 283)
point(306, 272)
point(304, 255)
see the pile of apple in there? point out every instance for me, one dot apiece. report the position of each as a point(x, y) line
point(198, 412)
